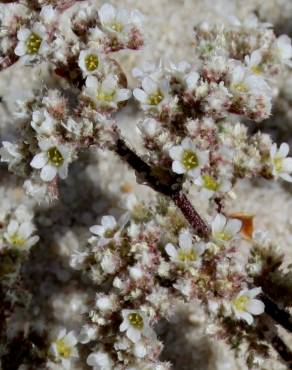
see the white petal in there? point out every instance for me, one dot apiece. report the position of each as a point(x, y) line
point(20, 49)
point(287, 164)
point(108, 222)
point(176, 152)
point(26, 229)
point(253, 292)
point(233, 226)
point(123, 94)
point(194, 173)
point(273, 150)
point(133, 334)
point(32, 241)
point(107, 14)
point(171, 250)
point(63, 171)
point(188, 144)
point(12, 227)
point(140, 350)
point(48, 172)
point(70, 339)
point(124, 325)
point(284, 150)
point(97, 230)
point(255, 307)
point(218, 223)
point(247, 317)
point(149, 85)
point(91, 82)
point(185, 240)
point(177, 167)
point(23, 34)
point(192, 80)
point(39, 160)
point(110, 83)
point(61, 333)
point(286, 177)
point(140, 95)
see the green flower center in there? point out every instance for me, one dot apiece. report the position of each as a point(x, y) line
point(187, 256)
point(240, 303)
point(223, 236)
point(240, 87)
point(256, 69)
point(117, 27)
point(155, 98)
point(55, 157)
point(33, 43)
point(91, 62)
point(190, 160)
point(136, 320)
point(210, 183)
point(16, 240)
point(105, 97)
point(278, 163)
point(63, 350)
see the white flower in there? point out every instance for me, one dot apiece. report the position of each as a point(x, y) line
point(107, 93)
point(100, 361)
point(254, 61)
point(107, 229)
point(105, 303)
point(244, 305)
point(281, 166)
point(77, 260)
point(10, 153)
point(210, 185)
point(87, 333)
point(19, 235)
point(284, 48)
point(119, 21)
point(48, 14)
point(188, 159)
point(225, 230)
point(153, 93)
point(53, 160)
point(42, 122)
point(136, 324)
point(31, 41)
point(244, 82)
point(90, 61)
point(188, 253)
point(64, 347)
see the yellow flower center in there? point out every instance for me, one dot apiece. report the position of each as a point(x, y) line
point(223, 236)
point(241, 302)
point(105, 97)
point(240, 87)
point(33, 43)
point(190, 160)
point(136, 320)
point(55, 157)
point(187, 256)
point(210, 183)
point(117, 27)
point(256, 69)
point(63, 349)
point(155, 98)
point(278, 163)
point(16, 240)
point(91, 62)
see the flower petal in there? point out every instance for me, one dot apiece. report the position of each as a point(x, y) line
point(48, 172)
point(39, 160)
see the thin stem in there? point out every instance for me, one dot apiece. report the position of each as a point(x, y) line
point(283, 350)
point(279, 315)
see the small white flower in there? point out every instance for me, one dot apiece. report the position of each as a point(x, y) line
point(64, 347)
point(19, 235)
point(48, 14)
point(43, 123)
point(244, 305)
point(136, 325)
point(253, 62)
point(100, 361)
point(188, 253)
point(53, 160)
point(105, 303)
point(106, 94)
point(153, 93)
point(87, 333)
point(90, 61)
point(225, 230)
point(284, 49)
point(244, 82)
point(10, 153)
point(31, 41)
point(188, 159)
point(107, 229)
point(281, 165)
point(77, 260)
point(118, 22)
point(210, 185)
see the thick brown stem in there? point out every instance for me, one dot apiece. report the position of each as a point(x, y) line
point(282, 349)
point(280, 316)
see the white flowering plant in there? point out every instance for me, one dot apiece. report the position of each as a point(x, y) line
point(146, 256)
